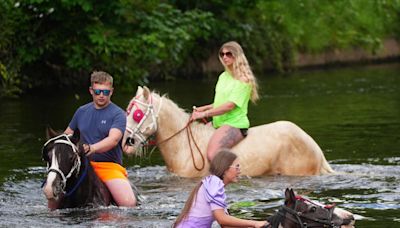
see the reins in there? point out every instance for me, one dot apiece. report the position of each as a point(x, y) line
point(190, 138)
point(299, 215)
point(81, 178)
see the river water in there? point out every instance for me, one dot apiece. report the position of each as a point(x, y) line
point(352, 113)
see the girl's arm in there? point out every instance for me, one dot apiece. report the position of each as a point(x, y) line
point(226, 220)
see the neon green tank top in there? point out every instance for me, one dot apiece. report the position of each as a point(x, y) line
point(238, 92)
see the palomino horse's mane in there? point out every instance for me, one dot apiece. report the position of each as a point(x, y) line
point(181, 116)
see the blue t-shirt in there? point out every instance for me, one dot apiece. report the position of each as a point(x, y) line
point(95, 124)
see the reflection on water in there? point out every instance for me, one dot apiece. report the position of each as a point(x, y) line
point(352, 113)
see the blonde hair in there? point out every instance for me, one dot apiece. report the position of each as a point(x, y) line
point(220, 163)
point(241, 68)
point(101, 77)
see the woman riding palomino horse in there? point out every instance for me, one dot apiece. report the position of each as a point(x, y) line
point(235, 87)
point(277, 148)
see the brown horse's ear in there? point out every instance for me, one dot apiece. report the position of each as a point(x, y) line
point(290, 197)
point(146, 92)
point(50, 133)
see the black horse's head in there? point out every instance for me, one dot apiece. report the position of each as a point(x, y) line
point(302, 212)
point(62, 154)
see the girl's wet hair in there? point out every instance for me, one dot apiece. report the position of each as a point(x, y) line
point(221, 162)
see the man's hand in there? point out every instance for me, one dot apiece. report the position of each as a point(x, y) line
point(88, 149)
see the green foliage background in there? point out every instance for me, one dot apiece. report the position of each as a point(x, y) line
point(57, 43)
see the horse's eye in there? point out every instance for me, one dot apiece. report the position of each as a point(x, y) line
point(313, 209)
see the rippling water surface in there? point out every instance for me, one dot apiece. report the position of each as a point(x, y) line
point(353, 114)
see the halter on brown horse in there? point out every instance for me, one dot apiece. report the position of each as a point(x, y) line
point(300, 212)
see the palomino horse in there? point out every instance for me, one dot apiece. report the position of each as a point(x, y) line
point(276, 148)
point(301, 212)
point(71, 181)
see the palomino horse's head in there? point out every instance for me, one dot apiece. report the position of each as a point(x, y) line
point(302, 212)
point(141, 122)
point(63, 161)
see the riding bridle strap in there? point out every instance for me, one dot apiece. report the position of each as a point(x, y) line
point(136, 133)
point(298, 216)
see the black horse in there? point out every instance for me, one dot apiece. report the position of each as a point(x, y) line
point(298, 211)
point(71, 181)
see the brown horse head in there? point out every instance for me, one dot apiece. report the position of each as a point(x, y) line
point(298, 211)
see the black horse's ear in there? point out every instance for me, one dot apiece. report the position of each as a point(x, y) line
point(50, 133)
point(76, 136)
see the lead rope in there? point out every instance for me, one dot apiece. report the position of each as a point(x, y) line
point(79, 182)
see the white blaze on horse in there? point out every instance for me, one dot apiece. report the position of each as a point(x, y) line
point(270, 149)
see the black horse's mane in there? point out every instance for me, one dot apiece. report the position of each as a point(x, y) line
point(276, 219)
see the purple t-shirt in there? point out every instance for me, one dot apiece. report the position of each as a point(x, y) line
point(211, 196)
point(95, 124)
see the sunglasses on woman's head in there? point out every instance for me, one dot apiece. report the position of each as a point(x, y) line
point(228, 54)
point(237, 166)
point(105, 92)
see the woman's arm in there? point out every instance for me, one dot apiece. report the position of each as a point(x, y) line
point(202, 108)
point(201, 112)
point(227, 220)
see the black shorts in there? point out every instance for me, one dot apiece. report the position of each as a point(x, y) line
point(244, 131)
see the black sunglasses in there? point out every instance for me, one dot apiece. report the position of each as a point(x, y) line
point(105, 92)
point(228, 54)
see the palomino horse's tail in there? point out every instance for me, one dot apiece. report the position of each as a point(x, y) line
point(325, 167)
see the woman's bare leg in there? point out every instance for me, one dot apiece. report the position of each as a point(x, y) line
point(223, 137)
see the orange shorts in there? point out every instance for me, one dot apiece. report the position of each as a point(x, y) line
point(109, 170)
